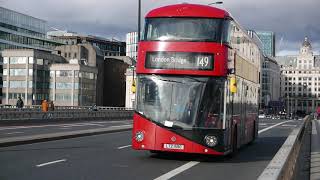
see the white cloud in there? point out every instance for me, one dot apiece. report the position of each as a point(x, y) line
point(290, 19)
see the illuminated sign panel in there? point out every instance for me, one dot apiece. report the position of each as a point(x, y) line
point(179, 60)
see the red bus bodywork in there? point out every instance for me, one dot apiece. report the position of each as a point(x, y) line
point(155, 136)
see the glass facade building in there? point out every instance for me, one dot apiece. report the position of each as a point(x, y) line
point(268, 42)
point(19, 31)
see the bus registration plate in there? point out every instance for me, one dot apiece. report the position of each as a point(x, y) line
point(173, 146)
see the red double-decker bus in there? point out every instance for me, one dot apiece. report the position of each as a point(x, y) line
point(197, 82)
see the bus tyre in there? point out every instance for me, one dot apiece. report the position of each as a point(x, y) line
point(234, 142)
point(253, 134)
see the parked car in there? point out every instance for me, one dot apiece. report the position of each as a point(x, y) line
point(262, 116)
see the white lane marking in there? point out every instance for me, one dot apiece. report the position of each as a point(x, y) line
point(121, 147)
point(122, 126)
point(81, 124)
point(266, 129)
point(314, 130)
point(262, 124)
point(52, 162)
point(178, 170)
point(17, 132)
point(288, 125)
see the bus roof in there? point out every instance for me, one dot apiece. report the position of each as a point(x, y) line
point(188, 10)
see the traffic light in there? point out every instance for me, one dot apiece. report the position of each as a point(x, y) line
point(233, 84)
point(133, 86)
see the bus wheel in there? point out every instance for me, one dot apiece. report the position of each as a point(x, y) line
point(234, 142)
point(253, 134)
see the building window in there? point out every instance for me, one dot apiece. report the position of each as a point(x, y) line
point(31, 60)
point(5, 72)
point(18, 72)
point(63, 85)
point(75, 55)
point(17, 84)
point(5, 60)
point(30, 72)
point(40, 61)
point(18, 60)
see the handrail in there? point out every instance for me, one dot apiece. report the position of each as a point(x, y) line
point(38, 107)
point(283, 164)
point(63, 114)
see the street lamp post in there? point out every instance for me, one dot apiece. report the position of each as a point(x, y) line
point(304, 86)
point(218, 2)
point(139, 19)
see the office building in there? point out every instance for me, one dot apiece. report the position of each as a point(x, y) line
point(268, 42)
point(26, 74)
point(270, 86)
point(106, 46)
point(1, 78)
point(300, 81)
point(73, 84)
point(36, 75)
point(20, 31)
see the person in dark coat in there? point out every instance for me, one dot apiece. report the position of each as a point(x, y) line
point(19, 103)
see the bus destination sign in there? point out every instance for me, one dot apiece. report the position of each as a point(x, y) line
point(179, 60)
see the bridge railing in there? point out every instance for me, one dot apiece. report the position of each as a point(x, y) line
point(284, 163)
point(38, 116)
point(38, 108)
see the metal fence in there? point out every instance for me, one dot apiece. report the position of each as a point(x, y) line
point(28, 115)
point(38, 108)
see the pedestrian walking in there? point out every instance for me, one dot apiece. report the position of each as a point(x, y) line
point(19, 103)
point(44, 106)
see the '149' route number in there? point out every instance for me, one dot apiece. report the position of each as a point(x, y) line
point(203, 61)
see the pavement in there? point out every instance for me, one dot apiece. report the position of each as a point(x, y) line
point(109, 156)
point(315, 151)
point(15, 135)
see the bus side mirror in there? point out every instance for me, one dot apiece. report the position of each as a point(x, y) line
point(233, 85)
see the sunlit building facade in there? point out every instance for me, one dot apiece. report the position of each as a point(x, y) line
point(132, 45)
point(26, 74)
point(300, 83)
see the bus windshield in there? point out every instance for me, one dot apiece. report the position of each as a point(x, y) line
point(181, 102)
point(183, 29)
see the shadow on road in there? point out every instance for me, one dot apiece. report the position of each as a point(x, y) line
point(263, 149)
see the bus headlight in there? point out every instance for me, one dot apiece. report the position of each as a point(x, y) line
point(139, 136)
point(211, 141)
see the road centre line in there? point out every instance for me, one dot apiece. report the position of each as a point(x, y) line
point(190, 164)
point(178, 170)
point(52, 162)
point(122, 147)
point(288, 125)
point(270, 127)
point(17, 132)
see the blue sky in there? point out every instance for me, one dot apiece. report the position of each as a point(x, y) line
point(291, 20)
